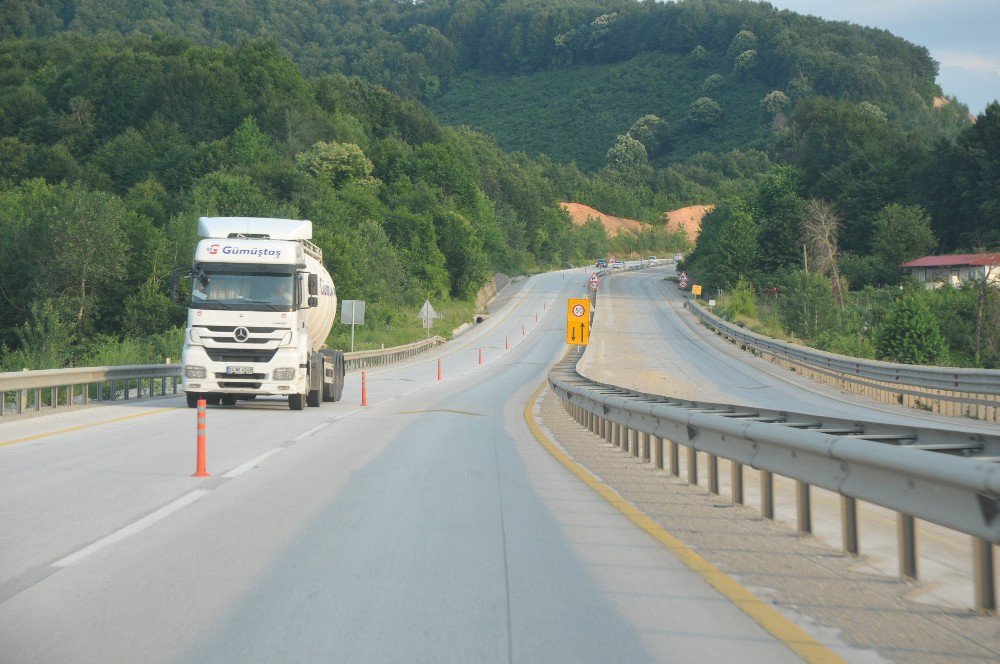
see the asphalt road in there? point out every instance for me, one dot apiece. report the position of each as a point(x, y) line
point(428, 526)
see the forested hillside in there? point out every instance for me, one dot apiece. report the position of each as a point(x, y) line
point(577, 65)
point(110, 150)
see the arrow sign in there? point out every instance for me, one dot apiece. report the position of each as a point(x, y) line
point(577, 321)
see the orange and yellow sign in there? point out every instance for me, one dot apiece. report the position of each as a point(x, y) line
point(578, 321)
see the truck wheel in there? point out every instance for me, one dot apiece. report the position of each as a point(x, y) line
point(229, 399)
point(296, 402)
point(313, 399)
point(192, 399)
point(338, 385)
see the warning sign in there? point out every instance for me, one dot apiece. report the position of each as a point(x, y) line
point(578, 322)
point(696, 289)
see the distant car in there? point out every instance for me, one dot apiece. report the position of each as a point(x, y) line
point(619, 264)
point(602, 262)
point(678, 257)
point(651, 258)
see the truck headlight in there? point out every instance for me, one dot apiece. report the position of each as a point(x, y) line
point(192, 371)
point(285, 373)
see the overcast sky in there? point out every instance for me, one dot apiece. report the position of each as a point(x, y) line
point(962, 35)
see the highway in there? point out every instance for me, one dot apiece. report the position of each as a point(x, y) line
point(429, 526)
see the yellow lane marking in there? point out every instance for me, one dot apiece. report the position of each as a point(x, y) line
point(440, 410)
point(84, 426)
point(793, 636)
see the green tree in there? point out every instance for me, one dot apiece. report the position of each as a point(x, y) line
point(335, 163)
point(807, 305)
point(743, 41)
point(745, 63)
point(775, 102)
point(627, 155)
point(704, 112)
point(909, 334)
point(902, 233)
point(651, 131)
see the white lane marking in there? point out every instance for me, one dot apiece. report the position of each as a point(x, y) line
point(136, 527)
point(244, 467)
point(306, 434)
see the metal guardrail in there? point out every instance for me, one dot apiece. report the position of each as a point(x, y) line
point(970, 392)
point(24, 391)
point(21, 391)
point(948, 478)
point(373, 358)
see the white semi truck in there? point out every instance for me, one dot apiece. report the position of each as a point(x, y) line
point(261, 307)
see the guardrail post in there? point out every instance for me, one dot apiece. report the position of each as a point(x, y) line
point(986, 590)
point(675, 459)
point(645, 446)
point(907, 530)
point(658, 452)
point(803, 504)
point(608, 428)
point(713, 474)
point(633, 446)
point(736, 479)
point(767, 494)
point(849, 525)
point(692, 465)
point(617, 435)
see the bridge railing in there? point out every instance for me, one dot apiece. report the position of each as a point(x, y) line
point(948, 478)
point(973, 393)
point(33, 391)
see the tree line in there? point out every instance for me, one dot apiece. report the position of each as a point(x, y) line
point(111, 148)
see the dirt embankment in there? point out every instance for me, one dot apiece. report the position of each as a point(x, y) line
point(581, 214)
point(687, 219)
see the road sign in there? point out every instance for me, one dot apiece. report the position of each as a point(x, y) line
point(578, 321)
point(696, 289)
point(427, 315)
point(352, 312)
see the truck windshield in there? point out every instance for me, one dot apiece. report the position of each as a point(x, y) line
point(243, 290)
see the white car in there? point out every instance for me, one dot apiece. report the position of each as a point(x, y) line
point(619, 264)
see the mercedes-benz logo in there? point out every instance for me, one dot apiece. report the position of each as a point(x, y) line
point(241, 334)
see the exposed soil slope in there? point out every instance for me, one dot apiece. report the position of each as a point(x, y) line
point(687, 219)
point(580, 213)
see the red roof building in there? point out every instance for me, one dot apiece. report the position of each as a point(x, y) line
point(935, 271)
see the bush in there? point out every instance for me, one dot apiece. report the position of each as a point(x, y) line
point(910, 334)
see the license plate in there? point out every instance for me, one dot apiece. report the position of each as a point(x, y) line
point(239, 370)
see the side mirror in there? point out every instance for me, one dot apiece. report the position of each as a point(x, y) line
point(313, 301)
point(313, 285)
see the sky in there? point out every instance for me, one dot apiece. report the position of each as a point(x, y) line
point(962, 35)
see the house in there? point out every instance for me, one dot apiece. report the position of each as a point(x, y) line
point(954, 270)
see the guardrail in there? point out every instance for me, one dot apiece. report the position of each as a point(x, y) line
point(973, 393)
point(947, 478)
point(24, 391)
point(34, 390)
point(373, 358)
